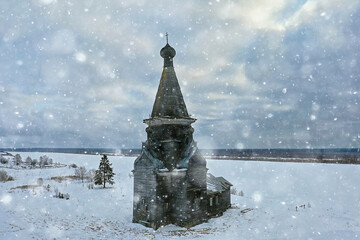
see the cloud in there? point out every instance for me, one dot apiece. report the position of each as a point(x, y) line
point(255, 14)
point(255, 74)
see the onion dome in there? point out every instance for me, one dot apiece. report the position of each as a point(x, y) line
point(167, 51)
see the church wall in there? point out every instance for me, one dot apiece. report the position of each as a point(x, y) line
point(172, 186)
point(225, 199)
point(214, 209)
point(197, 207)
point(197, 171)
point(144, 207)
point(196, 193)
point(180, 207)
point(169, 142)
point(187, 206)
point(218, 203)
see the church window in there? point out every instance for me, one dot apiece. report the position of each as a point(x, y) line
point(196, 204)
point(217, 200)
point(211, 202)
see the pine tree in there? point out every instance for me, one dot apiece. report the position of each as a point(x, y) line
point(105, 172)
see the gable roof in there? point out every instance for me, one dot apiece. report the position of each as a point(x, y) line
point(216, 184)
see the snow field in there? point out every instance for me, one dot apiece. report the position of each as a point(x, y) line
point(267, 210)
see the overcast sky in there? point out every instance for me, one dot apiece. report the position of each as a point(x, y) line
point(256, 74)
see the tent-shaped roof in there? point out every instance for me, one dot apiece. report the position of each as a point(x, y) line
point(169, 100)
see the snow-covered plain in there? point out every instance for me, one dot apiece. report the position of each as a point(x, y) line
point(272, 190)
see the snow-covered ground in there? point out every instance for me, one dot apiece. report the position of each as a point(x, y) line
point(272, 190)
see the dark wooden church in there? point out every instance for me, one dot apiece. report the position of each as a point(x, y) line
point(171, 183)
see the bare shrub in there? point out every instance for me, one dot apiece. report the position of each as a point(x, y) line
point(73, 165)
point(28, 160)
point(40, 181)
point(45, 161)
point(61, 195)
point(80, 173)
point(67, 196)
point(24, 187)
point(234, 191)
point(17, 159)
point(34, 162)
point(62, 178)
point(4, 176)
point(56, 190)
point(4, 160)
point(91, 175)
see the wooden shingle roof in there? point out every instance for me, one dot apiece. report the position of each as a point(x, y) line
point(216, 184)
point(169, 101)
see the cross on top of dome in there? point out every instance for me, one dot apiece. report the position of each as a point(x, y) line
point(168, 53)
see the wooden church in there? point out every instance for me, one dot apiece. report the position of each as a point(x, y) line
point(171, 183)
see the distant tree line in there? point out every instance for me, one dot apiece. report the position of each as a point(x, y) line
point(44, 161)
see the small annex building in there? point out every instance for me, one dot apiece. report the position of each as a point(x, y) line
point(218, 195)
point(171, 182)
